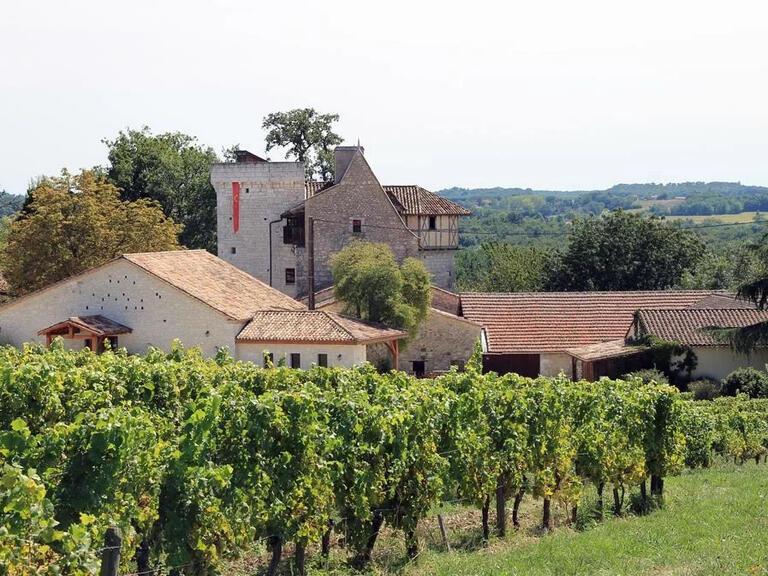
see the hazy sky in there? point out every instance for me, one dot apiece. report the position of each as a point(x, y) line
point(544, 94)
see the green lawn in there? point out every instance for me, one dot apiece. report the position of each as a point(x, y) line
point(713, 522)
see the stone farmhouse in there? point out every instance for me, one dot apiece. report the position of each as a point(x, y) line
point(264, 209)
point(152, 299)
point(593, 334)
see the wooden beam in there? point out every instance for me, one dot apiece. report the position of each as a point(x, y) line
point(393, 347)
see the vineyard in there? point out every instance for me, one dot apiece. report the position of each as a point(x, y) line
point(197, 459)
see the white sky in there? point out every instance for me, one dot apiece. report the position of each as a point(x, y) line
point(543, 94)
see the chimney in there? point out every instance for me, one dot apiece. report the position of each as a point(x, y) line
point(343, 156)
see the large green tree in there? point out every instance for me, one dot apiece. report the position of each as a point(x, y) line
point(75, 222)
point(501, 267)
point(173, 169)
point(308, 137)
point(369, 281)
point(625, 251)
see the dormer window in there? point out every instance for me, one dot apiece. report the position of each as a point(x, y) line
point(357, 226)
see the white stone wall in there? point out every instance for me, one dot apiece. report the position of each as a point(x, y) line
point(717, 362)
point(552, 363)
point(267, 189)
point(156, 312)
point(338, 354)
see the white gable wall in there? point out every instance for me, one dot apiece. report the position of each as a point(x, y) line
point(157, 312)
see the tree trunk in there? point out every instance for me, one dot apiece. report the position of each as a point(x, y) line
point(326, 542)
point(574, 514)
point(142, 559)
point(299, 558)
point(600, 497)
point(501, 507)
point(644, 496)
point(616, 503)
point(412, 543)
point(365, 557)
point(486, 529)
point(547, 520)
point(516, 507)
point(757, 459)
point(276, 545)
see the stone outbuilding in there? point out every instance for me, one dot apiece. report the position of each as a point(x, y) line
point(153, 299)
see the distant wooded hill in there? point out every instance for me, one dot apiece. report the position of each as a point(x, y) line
point(681, 199)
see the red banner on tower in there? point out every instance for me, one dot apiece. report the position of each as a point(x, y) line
point(235, 206)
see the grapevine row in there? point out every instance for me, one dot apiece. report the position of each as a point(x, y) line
point(195, 459)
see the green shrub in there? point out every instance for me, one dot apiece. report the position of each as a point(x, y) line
point(704, 389)
point(748, 381)
point(647, 376)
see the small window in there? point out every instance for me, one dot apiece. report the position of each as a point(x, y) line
point(247, 190)
point(290, 275)
point(322, 360)
point(433, 222)
point(233, 250)
point(295, 360)
point(357, 226)
point(269, 359)
point(419, 369)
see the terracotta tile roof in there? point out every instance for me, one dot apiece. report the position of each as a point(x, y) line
point(311, 188)
point(214, 282)
point(410, 199)
point(688, 326)
point(417, 200)
point(314, 326)
point(610, 349)
point(98, 325)
point(727, 301)
point(530, 322)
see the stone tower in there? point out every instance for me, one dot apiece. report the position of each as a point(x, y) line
point(251, 195)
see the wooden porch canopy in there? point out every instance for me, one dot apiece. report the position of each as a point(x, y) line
point(94, 328)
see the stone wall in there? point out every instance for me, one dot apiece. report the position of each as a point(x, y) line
point(442, 341)
point(267, 189)
point(442, 265)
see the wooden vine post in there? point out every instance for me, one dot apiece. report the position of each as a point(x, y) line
point(110, 555)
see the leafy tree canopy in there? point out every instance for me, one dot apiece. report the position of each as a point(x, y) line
point(308, 137)
point(624, 251)
point(367, 278)
point(173, 169)
point(75, 222)
point(501, 267)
